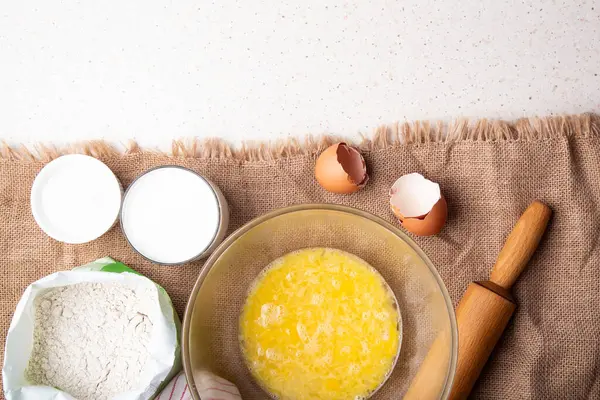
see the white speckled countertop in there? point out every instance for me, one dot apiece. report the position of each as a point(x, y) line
point(153, 70)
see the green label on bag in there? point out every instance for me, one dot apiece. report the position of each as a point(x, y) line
point(118, 267)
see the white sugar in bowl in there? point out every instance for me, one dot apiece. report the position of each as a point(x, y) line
point(75, 199)
point(171, 215)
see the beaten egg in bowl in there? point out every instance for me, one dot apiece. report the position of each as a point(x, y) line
point(320, 323)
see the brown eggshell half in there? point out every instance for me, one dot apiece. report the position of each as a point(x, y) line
point(429, 224)
point(336, 167)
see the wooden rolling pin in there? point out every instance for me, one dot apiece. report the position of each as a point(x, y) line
point(482, 314)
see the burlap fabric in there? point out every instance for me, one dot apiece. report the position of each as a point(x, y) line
point(489, 173)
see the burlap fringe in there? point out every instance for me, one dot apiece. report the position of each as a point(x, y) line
point(398, 134)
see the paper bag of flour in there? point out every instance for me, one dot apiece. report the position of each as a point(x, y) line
point(34, 353)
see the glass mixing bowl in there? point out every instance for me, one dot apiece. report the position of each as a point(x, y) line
point(210, 328)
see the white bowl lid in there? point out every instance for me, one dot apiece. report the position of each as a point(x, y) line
point(75, 199)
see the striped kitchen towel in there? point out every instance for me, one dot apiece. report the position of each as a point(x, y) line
point(210, 387)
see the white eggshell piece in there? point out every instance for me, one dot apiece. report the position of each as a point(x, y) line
point(413, 195)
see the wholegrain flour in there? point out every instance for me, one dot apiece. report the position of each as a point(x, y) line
point(91, 339)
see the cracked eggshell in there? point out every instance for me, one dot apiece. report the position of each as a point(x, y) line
point(419, 205)
point(341, 169)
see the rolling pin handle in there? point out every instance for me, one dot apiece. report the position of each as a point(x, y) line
point(520, 244)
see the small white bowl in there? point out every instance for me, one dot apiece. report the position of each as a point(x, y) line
point(76, 199)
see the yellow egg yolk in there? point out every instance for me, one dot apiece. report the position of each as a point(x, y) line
point(319, 323)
